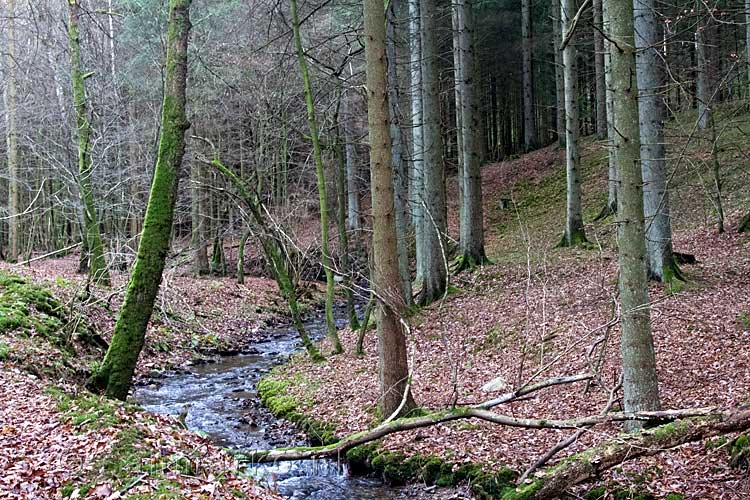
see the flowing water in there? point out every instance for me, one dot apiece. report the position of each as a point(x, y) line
point(223, 403)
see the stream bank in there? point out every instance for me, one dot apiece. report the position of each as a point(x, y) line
point(221, 400)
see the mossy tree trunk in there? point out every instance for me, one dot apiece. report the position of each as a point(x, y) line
point(116, 373)
point(393, 367)
point(97, 268)
point(271, 242)
point(333, 335)
point(640, 387)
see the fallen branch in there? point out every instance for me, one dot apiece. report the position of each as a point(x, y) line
point(592, 462)
point(50, 254)
point(527, 389)
point(440, 417)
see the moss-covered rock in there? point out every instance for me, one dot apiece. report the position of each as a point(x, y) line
point(29, 309)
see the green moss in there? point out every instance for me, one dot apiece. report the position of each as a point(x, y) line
point(274, 395)
point(30, 309)
point(4, 351)
point(740, 454)
point(674, 496)
point(744, 320)
point(596, 493)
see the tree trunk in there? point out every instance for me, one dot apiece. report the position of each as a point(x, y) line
point(352, 172)
point(472, 220)
point(640, 387)
point(331, 332)
point(98, 272)
point(601, 85)
point(529, 123)
point(393, 367)
point(416, 185)
point(241, 258)
point(574, 230)
point(612, 182)
point(747, 43)
point(197, 242)
point(116, 372)
point(652, 113)
point(399, 166)
point(11, 131)
point(432, 266)
point(702, 82)
point(341, 195)
point(559, 76)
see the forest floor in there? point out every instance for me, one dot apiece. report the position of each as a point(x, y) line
point(58, 441)
point(536, 311)
point(533, 313)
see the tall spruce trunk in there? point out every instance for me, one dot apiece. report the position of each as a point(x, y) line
point(600, 84)
point(116, 372)
point(652, 112)
point(529, 116)
point(393, 367)
point(640, 386)
point(416, 177)
point(559, 77)
point(341, 210)
point(399, 165)
point(97, 267)
point(197, 240)
point(472, 219)
point(702, 89)
point(325, 257)
point(352, 172)
point(574, 230)
point(612, 183)
point(11, 135)
point(432, 267)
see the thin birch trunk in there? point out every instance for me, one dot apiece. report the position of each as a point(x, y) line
point(11, 136)
point(416, 184)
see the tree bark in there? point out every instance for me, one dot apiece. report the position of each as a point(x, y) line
point(352, 172)
point(11, 135)
point(652, 113)
point(640, 386)
point(399, 166)
point(601, 85)
point(97, 268)
point(197, 241)
point(702, 82)
point(612, 183)
point(559, 76)
point(116, 372)
point(529, 117)
point(472, 219)
point(393, 367)
point(416, 184)
point(574, 230)
point(432, 266)
point(331, 331)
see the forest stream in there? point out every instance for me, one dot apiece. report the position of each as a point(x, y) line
point(224, 404)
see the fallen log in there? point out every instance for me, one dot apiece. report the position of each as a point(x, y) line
point(405, 424)
point(591, 463)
